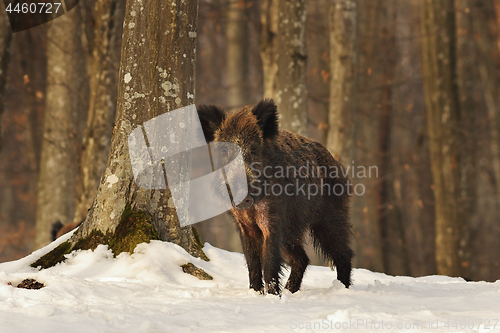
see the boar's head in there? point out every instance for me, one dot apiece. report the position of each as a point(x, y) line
point(249, 128)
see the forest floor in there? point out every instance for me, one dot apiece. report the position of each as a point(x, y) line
point(148, 292)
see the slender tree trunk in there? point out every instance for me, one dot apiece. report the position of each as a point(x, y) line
point(392, 226)
point(443, 118)
point(5, 47)
point(366, 128)
point(484, 17)
point(291, 94)
point(105, 57)
point(237, 54)
point(467, 75)
point(23, 129)
point(269, 46)
point(211, 44)
point(64, 108)
point(490, 86)
point(284, 56)
point(318, 70)
point(18, 165)
point(342, 57)
point(157, 74)
point(410, 176)
point(496, 4)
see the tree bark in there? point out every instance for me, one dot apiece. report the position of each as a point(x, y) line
point(443, 117)
point(5, 46)
point(269, 46)
point(410, 177)
point(65, 106)
point(23, 130)
point(157, 74)
point(467, 74)
point(366, 129)
point(318, 71)
point(284, 56)
point(342, 59)
point(105, 57)
point(237, 55)
point(486, 22)
point(392, 229)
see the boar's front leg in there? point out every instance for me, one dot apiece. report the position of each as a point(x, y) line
point(251, 241)
point(271, 255)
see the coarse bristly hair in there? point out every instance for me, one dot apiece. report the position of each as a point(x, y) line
point(272, 226)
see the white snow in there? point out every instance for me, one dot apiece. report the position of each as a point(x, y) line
point(148, 292)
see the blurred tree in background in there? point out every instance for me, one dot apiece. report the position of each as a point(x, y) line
point(409, 87)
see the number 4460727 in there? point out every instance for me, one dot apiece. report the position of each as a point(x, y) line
point(33, 8)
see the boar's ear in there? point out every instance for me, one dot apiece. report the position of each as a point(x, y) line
point(267, 117)
point(211, 117)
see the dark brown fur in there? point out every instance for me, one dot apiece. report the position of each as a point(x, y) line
point(272, 227)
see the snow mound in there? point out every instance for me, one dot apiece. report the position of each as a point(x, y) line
point(148, 292)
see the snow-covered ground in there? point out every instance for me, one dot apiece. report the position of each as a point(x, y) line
point(148, 292)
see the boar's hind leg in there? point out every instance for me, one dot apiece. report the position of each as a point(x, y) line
point(251, 242)
point(298, 263)
point(333, 240)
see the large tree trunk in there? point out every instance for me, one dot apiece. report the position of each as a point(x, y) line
point(105, 57)
point(443, 117)
point(284, 56)
point(65, 106)
point(157, 74)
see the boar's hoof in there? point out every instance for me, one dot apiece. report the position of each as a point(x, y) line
point(246, 203)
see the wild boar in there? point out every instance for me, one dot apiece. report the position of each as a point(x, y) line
point(293, 189)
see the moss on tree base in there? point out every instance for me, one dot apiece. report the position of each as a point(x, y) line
point(53, 257)
point(199, 245)
point(134, 228)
